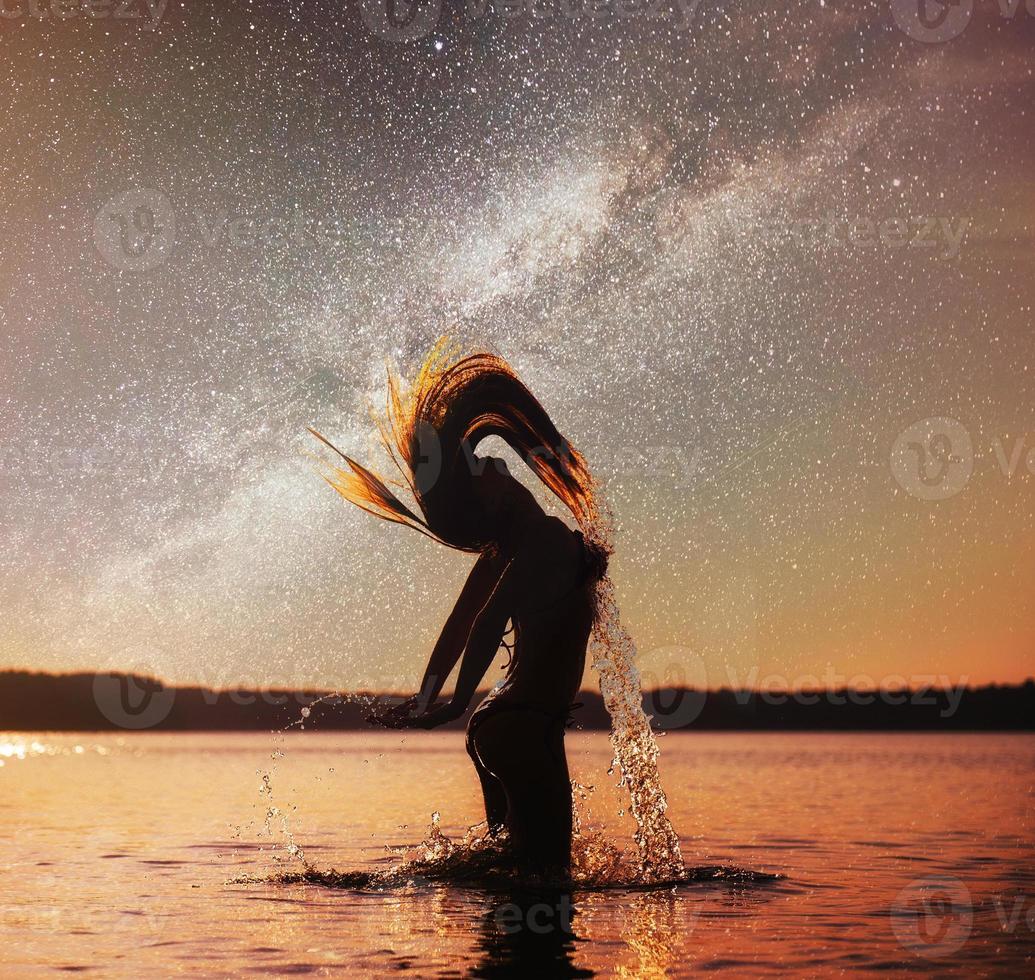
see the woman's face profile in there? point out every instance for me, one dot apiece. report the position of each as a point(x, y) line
point(492, 487)
point(500, 497)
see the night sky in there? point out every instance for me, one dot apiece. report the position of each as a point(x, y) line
point(749, 265)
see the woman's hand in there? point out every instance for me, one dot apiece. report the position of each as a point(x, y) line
point(396, 715)
point(408, 715)
point(449, 711)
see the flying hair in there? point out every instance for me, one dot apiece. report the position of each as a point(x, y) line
point(430, 430)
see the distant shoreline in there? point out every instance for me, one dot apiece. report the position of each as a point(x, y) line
point(86, 702)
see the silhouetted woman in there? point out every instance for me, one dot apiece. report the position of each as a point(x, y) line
point(532, 571)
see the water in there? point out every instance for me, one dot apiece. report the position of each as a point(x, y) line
point(635, 747)
point(118, 851)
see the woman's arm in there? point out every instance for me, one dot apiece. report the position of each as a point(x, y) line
point(451, 641)
point(482, 644)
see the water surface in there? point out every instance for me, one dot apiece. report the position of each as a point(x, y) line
point(900, 852)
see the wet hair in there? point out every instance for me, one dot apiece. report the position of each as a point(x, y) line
point(431, 429)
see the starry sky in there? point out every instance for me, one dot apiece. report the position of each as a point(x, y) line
point(771, 270)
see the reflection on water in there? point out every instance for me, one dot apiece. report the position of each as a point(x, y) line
point(525, 933)
point(655, 923)
point(906, 853)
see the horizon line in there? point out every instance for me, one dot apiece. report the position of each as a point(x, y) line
point(374, 693)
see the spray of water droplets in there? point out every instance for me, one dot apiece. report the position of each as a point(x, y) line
point(613, 655)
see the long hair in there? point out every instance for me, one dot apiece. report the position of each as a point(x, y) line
point(431, 429)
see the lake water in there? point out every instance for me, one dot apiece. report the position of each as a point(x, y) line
point(899, 852)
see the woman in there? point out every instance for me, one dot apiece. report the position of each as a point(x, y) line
point(532, 571)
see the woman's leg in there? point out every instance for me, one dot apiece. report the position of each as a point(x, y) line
point(523, 750)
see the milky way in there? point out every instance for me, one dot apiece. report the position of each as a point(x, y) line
point(736, 260)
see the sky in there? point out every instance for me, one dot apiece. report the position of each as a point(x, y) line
point(771, 270)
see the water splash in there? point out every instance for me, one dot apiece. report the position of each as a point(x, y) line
point(482, 860)
point(277, 820)
point(613, 655)
point(594, 858)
